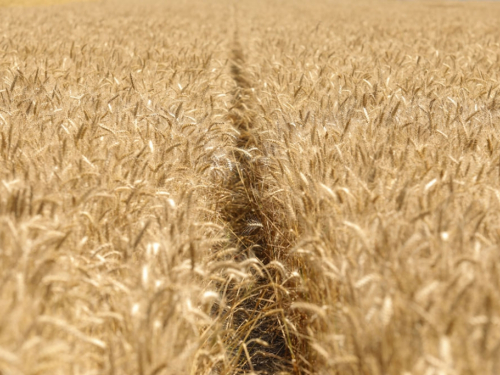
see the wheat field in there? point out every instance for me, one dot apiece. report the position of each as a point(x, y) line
point(267, 187)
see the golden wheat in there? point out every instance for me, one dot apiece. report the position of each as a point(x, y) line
point(253, 187)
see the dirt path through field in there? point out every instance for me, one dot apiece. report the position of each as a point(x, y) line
point(269, 334)
point(260, 333)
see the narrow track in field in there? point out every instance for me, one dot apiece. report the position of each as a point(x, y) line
point(261, 342)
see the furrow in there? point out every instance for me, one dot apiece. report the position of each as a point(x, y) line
point(256, 309)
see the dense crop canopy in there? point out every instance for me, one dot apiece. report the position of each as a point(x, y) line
point(261, 186)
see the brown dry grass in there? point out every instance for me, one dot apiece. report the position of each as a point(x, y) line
point(270, 187)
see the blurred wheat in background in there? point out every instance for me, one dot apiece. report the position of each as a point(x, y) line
point(24, 3)
point(250, 187)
